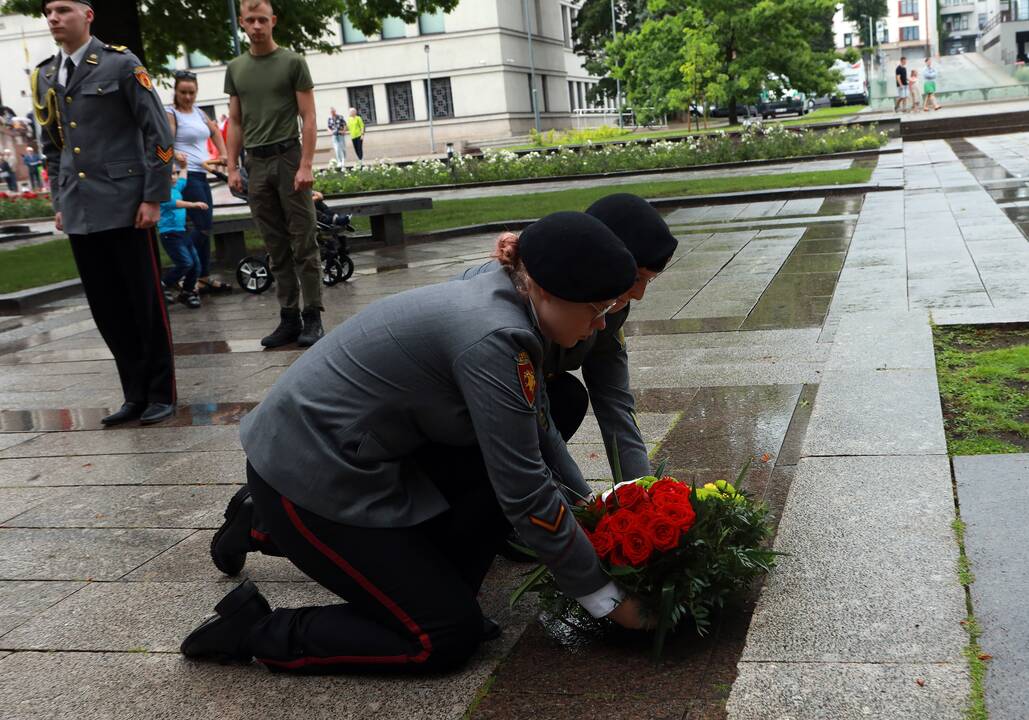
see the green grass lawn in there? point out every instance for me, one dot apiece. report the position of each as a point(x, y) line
point(51, 262)
point(821, 115)
point(984, 384)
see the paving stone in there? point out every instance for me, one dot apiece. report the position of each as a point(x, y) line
point(79, 554)
point(129, 507)
point(849, 691)
point(993, 493)
point(21, 600)
point(8, 440)
point(881, 341)
point(15, 501)
point(870, 572)
point(653, 427)
point(122, 440)
point(79, 470)
point(870, 412)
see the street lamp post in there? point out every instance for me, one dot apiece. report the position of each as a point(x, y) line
point(428, 99)
point(532, 68)
point(618, 82)
point(234, 26)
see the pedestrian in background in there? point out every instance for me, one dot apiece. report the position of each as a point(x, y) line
point(338, 126)
point(355, 126)
point(7, 172)
point(901, 77)
point(268, 88)
point(33, 163)
point(193, 130)
point(929, 77)
point(180, 248)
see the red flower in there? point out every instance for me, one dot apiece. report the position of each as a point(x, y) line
point(617, 556)
point(603, 542)
point(667, 485)
point(676, 509)
point(620, 522)
point(637, 546)
point(630, 496)
point(664, 533)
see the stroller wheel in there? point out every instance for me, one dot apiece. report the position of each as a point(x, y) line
point(253, 275)
point(332, 272)
point(347, 266)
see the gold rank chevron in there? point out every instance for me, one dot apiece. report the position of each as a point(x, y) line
point(165, 154)
point(550, 527)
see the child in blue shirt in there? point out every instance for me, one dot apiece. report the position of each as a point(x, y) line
point(180, 248)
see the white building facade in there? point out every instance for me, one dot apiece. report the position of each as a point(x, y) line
point(910, 28)
point(477, 58)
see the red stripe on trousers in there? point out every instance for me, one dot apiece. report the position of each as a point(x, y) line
point(368, 587)
point(151, 243)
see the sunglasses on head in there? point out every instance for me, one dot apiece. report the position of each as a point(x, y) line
point(185, 75)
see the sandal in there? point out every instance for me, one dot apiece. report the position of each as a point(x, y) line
point(209, 286)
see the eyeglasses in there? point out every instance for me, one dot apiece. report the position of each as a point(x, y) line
point(185, 75)
point(601, 312)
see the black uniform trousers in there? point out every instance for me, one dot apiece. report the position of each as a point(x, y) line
point(120, 276)
point(569, 401)
point(411, 592)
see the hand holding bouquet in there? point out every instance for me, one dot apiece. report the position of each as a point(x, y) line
point(682, 551)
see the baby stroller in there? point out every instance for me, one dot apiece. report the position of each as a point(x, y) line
point(254, 274)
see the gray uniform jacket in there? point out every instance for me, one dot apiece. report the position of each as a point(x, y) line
point(605, 369)
point(106, 138)
point(455, 364)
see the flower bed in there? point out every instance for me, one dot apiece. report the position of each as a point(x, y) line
point(25, 205)
point(756, 142)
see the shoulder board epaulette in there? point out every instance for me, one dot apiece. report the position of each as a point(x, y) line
point(116, 48)
point(48, 60)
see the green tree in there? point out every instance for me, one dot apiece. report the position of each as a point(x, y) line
point(761, 44)
point(860, 11)
point(592, 33)
point(157, 29)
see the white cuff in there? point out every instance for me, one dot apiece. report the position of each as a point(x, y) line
point(603, 601)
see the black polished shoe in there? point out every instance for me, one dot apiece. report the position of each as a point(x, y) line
point(223, 636)
point(128, 411)
point(491, 630)
point(230, 545)
point(156, 412)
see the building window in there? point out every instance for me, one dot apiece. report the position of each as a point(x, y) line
point(909, 33)
point(442, 98)
point(198, 60)
point(363, 100)
point(350, 33)
point(393, 27)
point(848, 39)
point(401, 103)
point(909, 7)
point(571, 96)
point(582, 94)
point(431, 23)
point(546, 97)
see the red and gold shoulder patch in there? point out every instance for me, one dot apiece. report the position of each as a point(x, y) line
point(165, 154)
point(527, 378)
point(550, 527)
point(143, 78)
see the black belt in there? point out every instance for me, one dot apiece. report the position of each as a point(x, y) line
point(267, 151)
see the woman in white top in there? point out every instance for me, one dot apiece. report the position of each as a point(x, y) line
point(192, 129)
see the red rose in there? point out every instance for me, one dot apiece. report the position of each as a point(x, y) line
point(630, 496)
point(664, 532)
point(621, 521)
point(617, 556)
point(636, 546)
point(668, 486)
point(603, 542)
point(676, 509)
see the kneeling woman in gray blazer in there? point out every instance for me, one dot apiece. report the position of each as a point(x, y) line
point(390, 461)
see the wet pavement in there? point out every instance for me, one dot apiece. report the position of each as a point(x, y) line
point(103, 533)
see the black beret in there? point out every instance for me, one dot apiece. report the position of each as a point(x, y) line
point(639, 226)
point(576, 258)
point(87, 3)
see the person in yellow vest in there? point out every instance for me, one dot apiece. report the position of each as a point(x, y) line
point(355, 126)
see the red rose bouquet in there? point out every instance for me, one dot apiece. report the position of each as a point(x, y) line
point(683, 551)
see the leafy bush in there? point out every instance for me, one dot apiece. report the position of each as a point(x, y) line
point(755, 142)
point(553, 138)
point(27, 205)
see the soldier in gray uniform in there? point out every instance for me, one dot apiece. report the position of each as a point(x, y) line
point(388, 462)
point(108, 149)
point(602, 357)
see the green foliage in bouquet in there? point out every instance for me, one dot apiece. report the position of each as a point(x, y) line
point(683, 551)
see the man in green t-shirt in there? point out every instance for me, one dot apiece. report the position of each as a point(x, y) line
point(268, 88)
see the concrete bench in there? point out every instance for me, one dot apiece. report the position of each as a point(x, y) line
point(386, 218)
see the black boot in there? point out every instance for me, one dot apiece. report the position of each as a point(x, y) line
point(288, 330)
point(313, 330)
point(231, 543)
point(223, 637)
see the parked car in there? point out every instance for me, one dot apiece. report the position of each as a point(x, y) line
point(778, 98)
